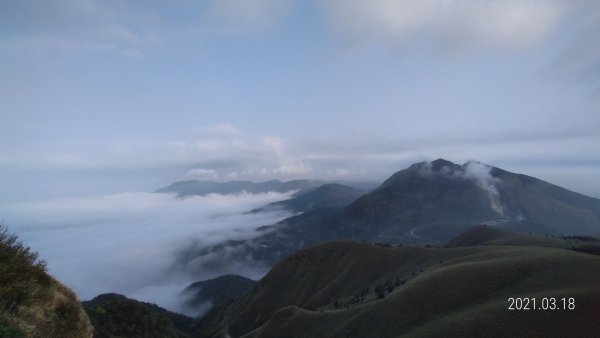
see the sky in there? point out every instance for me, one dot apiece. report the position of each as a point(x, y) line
point(104, 97)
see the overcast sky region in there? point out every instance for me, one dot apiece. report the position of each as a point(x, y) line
point(100, 97)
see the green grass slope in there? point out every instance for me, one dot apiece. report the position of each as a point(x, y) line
point(315, 277)
point(487, 235)
point(32, 303)
point(459, 291)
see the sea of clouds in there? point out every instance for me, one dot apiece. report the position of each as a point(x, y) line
point(128, 243)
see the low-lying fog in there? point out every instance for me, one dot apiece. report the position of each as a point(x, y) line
point(127, 243)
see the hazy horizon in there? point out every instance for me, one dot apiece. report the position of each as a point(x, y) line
point(103, 97)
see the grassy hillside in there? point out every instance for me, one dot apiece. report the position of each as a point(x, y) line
point(316, 276)
point(487, 235)
point(349, 289)
point(32, 303)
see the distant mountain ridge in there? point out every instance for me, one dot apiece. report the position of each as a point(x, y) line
point(432, 202)
point(194, 187)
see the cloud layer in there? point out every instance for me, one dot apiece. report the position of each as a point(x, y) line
point(458, 23)
point(127, 27)
point(128, 243)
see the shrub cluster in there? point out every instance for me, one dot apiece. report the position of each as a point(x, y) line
point(21, 271)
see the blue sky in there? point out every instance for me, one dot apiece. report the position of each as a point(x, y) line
point(109, 96)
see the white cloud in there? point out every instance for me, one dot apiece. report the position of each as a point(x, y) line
point(272, 144)
point(340, 172)
point(232, 175)
point(285, 170)
point(453, 23)
point(225, 129)
point(480, 173)
point(202, 174)
point(347, 173)
point(224, 141)
point(294, 168)
point(129, 242)
point(246, 156)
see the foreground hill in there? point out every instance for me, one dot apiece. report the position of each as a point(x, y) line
point(32, 303)
point(114, 315)
point(487, 235)
point(335, 290)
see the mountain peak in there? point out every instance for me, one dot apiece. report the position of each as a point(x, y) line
point(435, 165)
point(440, 163)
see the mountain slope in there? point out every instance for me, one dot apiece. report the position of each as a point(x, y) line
point(311, 278)
point(32, 303)
point(218, 290)
point(331, 195)
point(444, 193)
point(487, 235)
point(426, 292)
point(468, 300)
